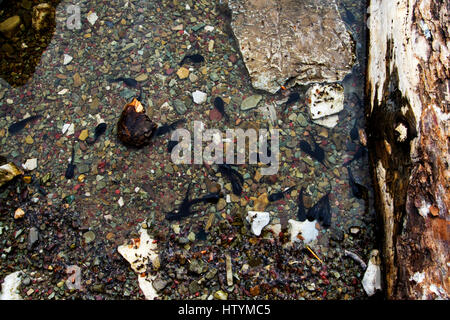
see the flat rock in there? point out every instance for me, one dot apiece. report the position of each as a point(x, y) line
point(199, 97)
point(250, 102)
point(300, 41)
point(307, 229)
point(258, 220)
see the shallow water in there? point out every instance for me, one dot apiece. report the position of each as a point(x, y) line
point(116, 189)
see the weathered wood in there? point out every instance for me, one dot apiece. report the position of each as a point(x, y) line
point(408, 124)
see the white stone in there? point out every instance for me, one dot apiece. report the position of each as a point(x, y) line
point(120, 202)
point(258, 220)
point(138, 255)
point(199, 97)
point(209, 28)
point(325, 100)
point(10, 286)
point(371, 281)
point(306, 228)
point(67, 59)
point(68, 129)
point(328, 122)
point(92, 17)
point(30, 164)
point(63, 91)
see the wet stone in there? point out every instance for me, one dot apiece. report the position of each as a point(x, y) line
point(180, 107)
point(89, 236)
point(197, 266)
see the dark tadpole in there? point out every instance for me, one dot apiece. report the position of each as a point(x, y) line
point(354, 135)
point(358, 190)
point(99, 130)
point(279, 195)
point(321, 211)
point(220, 106)
point(19, 125)
point(128, 81)
point(301, 213)
point(71, 167)
point(167, 128)
point(361, 152)
point(317, 153)
point(185, 208)
point(293, 97)
point(195, 58)
point(236, 179)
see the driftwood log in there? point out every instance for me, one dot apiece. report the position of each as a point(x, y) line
point(407, 113)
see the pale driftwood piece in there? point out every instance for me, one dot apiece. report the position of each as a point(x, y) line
point(408, 124)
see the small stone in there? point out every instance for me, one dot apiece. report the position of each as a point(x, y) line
point(120, 202)
point(92, 17)
point(67, 59)
point(196, 266)
point(302, 120)
point(77, 80)
point(30, 164)
point(89, 236)
point(180, 107)
point(251, 102)
point(220, 295)
point(29, 140)
point(19, 213)
point(258, 220)
point(214, 77)
point(10, 26)
point(221, 204)
point(261, 203)
point(215, 115)
point(142, 77)
point(84, 134)
point(199, 97)
point(159, 284)
point(33, 236)
point(183, 73)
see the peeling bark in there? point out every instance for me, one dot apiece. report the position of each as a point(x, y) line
point(407, 115)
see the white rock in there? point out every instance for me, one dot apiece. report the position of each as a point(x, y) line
point(371, 281)
point(329, 122)
point(258, 220)
point(120, 202)
point(138, 255)
point(30, 164)
point(306, 228)
point(325, 100)
point(10, 286)
point(92, 17)
point(63, 91)
point(209, 28)
point(67, 59)
point(199, 97)
point(68, 128)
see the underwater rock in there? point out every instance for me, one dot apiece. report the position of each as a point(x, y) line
point(8, 172)
point(258, 220)
point(134, 127)
point(325, 102)
point(10, 26)
point(371, 281)
point(298, 42)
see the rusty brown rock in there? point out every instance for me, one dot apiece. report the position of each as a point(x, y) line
point(408, 111)
point(135, 128)
point(300, 41)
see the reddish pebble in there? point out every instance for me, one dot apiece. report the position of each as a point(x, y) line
point(117, 191)
point(215, 115)
point(169, 71)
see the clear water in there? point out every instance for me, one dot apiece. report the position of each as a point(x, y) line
point(116, 189)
